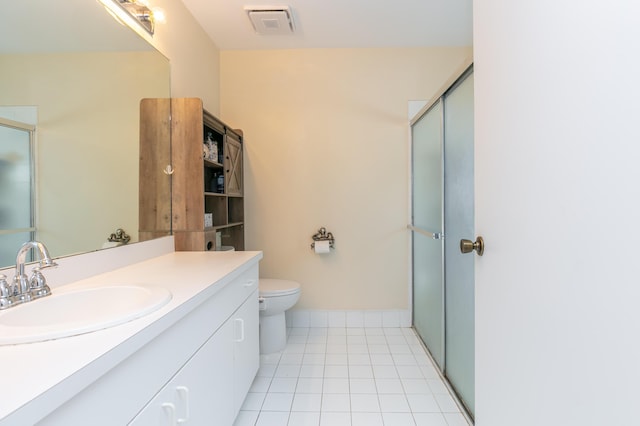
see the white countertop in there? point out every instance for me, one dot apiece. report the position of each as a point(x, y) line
point(38, 377)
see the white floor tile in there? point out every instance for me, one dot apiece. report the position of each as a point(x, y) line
point(335, 419)
point(309, 385)
point(357, 340)
point(412, 386)
point(260, 384)
point(364, 403)
point(379, 349)
point(381, 359)
point(385, 372)
point(307, 402)
point(398, 419)
point(319, 331)
point(400, 349)
point(386, 386)
point(315, 359)
point(335, 385)
point(357, 349)
point(315, 348)
point(349, 375)
point(267, 370)
point(406, 372)
point(253, 401)
point(393, 403)
point(404, 359)
point(429, 371)
point(437, 386)
point(366, 419)
point(396, 340)
point(363, 386)
point(337, 339)
point(334, 402)
point(374, 331)
point(287, 370)
point(246, 418)
point(336, 359)
point(277, 402)
point(360, 372)
point(317, 338)
point(312, 371)
point(291, 358)
point(273, 418)
point(446, 403)
point(336, 371)
point(421, 403)
point(294, 348)
point(283, 384)
point(304, 419)
point(359, 359)
point(429, 419)
point(336, 348)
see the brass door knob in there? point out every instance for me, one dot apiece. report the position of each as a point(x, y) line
point(467, 246)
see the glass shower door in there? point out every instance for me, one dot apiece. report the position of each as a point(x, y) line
point(427, 225)
point(459, 223)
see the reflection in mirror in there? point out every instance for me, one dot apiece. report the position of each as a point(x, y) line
point(77, 75)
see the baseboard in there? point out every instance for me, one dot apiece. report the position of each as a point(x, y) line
point(348, 319)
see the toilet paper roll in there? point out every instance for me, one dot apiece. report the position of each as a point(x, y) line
point(321, 247)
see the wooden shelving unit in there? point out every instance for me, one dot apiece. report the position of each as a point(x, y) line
point(201, 185)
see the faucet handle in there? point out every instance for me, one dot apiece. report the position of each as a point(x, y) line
point(5, 288)
point(38, 284)
point(5, 293)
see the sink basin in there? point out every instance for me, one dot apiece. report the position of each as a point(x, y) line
point(79, 311)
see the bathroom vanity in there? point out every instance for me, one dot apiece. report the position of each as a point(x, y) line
point(192, 361)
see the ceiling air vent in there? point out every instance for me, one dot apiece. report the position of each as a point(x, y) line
point(271, 20)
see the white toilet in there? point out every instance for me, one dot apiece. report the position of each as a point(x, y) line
point(276, 296)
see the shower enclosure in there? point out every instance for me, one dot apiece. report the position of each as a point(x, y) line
point(442, 215)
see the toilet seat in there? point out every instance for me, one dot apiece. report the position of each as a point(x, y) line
point(270, 287)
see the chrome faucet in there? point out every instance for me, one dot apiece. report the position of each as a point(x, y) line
point(23, 289)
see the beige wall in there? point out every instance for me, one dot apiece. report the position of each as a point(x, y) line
point(194, 57)
point(326, 144)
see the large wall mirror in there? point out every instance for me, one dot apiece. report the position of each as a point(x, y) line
point(76, 75)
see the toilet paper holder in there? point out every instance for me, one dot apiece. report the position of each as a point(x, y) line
point(120, 236)
point(323, 235)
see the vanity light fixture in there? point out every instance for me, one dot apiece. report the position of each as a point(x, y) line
point(139, 11)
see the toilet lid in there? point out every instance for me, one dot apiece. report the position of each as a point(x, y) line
point(274, 287)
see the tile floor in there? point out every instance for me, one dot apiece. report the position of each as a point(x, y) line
point(349, 377)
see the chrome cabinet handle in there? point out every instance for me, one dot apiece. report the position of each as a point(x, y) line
point(467, 246)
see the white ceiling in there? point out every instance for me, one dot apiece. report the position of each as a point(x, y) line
point(341, 23)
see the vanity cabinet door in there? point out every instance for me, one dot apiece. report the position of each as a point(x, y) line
point(246, 348)
point(199, 393)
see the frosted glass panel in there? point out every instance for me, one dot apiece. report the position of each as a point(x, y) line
point(15, 178)
point(427, 170)
point(459, 220)
point(428, 304)
point(15, 191)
